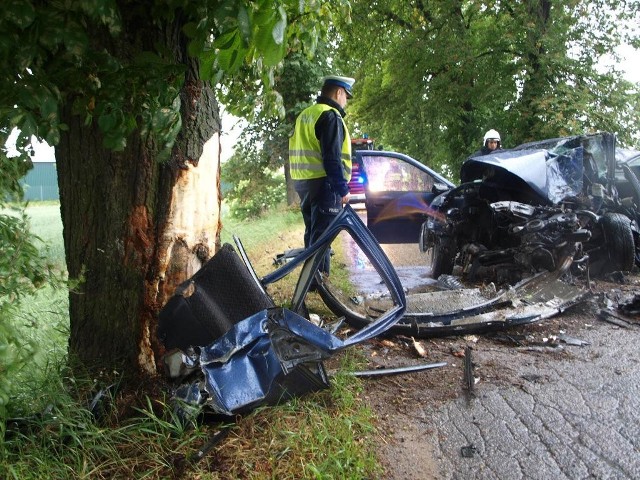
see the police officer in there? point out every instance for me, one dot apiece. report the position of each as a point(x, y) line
point(320, 158)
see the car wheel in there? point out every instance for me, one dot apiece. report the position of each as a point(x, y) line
point(618, 242)
point(338, 303)
point(443, 255)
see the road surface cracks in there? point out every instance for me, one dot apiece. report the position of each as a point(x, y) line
point(539, 409)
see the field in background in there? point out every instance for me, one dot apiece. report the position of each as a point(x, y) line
point(46, 223)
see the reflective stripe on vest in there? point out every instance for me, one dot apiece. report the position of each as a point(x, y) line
point(305, 160)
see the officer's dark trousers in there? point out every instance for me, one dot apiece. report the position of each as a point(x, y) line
point(319, 204)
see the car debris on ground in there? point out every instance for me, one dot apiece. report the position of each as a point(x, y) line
point(229, 348)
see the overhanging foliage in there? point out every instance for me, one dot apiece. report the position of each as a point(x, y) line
point(433, 76)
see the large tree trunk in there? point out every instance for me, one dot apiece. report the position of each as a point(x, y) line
point(534, 100)
point(135, 228)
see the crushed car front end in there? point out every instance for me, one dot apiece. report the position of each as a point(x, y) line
point(534, 208)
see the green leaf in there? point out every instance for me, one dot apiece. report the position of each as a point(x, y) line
point(20, 12)
point(264, 38)
point(206, 65)
point(107, 121)
point(265, 16)
point(280, 27)
point(225, 13)
point(52, 32)
point(24, 55)
point(149, 58)
point(274, 55)
point(49, 109)
point(28, 126)
point(230, 60)
point(52, 137)
point(226, 40)
point(75, 39)
point(190, 29)
point(115, 141)
point(195, 47)
point(15, 117)
point(244, 24)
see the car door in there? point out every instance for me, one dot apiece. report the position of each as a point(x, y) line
point(398, 192)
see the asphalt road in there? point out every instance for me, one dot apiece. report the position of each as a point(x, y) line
point(574, 416)
point(570, 412)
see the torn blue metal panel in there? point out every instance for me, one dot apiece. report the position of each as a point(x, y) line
point(275, 353)
point(259, 362)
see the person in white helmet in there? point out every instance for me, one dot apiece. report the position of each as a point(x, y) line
point(490, 144)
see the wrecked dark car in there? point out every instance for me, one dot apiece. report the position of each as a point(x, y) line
point(552, 205)
point(520, 220)
point(231, 349)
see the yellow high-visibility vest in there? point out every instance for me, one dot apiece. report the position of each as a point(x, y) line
point(305, 159)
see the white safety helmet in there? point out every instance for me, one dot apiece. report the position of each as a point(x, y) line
point(491, 135)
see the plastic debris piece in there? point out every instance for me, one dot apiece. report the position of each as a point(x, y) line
point(573, 341)
point(468, 451)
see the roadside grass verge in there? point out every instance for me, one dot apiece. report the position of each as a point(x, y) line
point(328, 434)
point(280, 226)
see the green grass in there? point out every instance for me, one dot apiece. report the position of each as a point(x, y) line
point(328, 434)
point(44, 319)
point(45, 222)
point(325, 435)
point(258, 233)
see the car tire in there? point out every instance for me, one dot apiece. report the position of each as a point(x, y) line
point(443, 256)
point(618, 242)
point(339, 307)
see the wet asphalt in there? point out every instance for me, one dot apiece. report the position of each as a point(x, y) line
point(573, 416)
point(570, 414)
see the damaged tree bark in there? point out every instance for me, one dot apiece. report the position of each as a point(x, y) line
point(135, 228)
